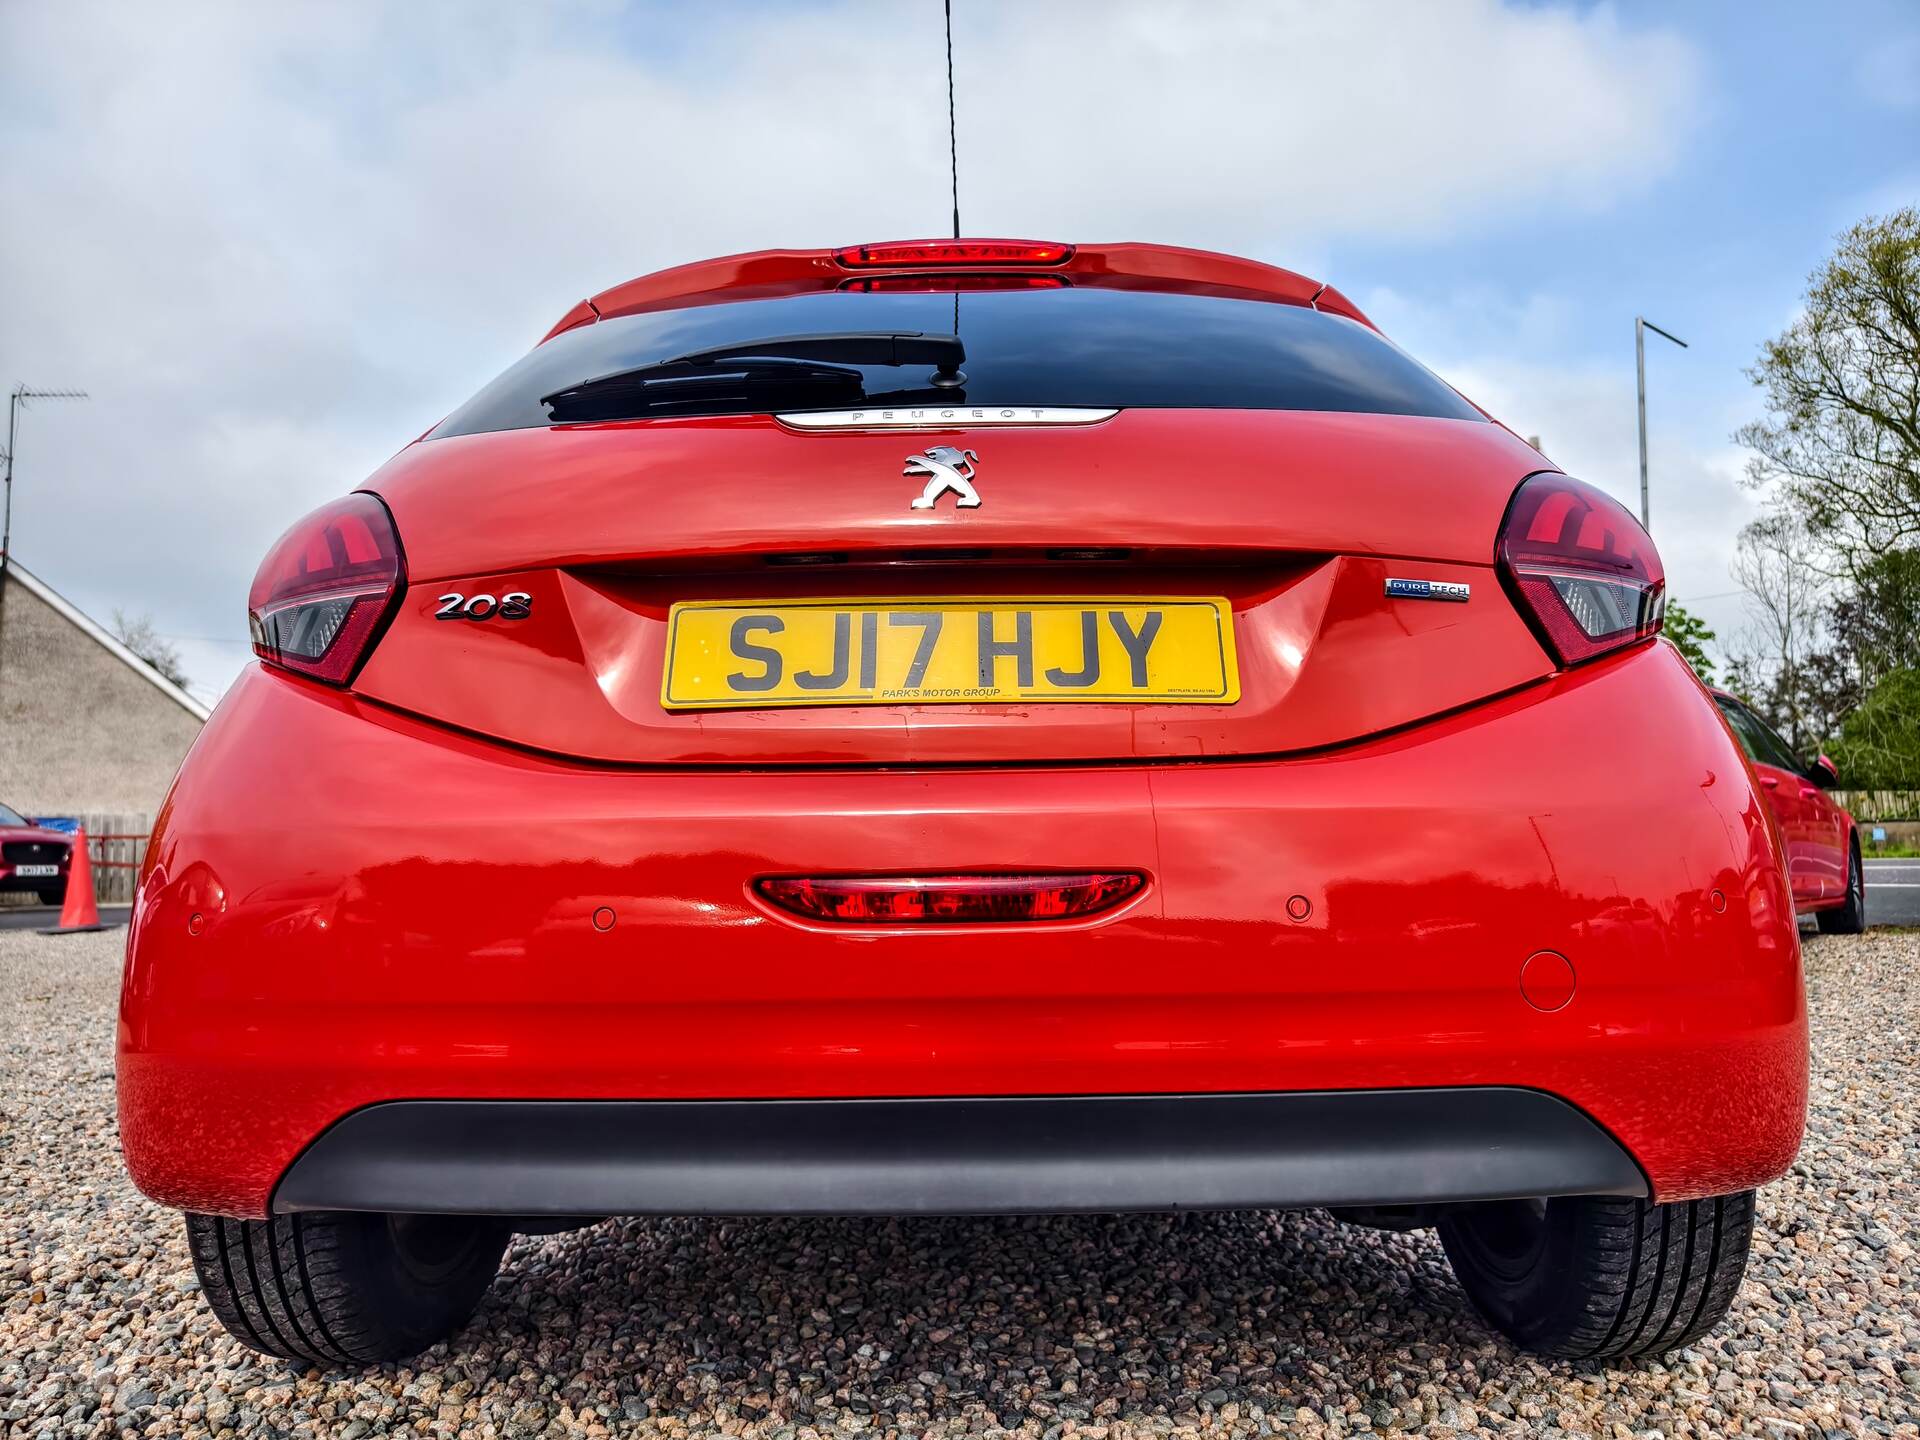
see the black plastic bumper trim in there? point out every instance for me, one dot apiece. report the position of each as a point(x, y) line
point(959, 1156)
point(987, 1155)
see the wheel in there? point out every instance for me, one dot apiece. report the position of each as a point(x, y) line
point(56, 896)
point(340, 1289)
point(1850, 918)
point(1596, 1277)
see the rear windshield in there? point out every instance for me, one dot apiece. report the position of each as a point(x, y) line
point(1065, 347)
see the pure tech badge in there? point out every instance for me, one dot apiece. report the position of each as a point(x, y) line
point(1427, 590)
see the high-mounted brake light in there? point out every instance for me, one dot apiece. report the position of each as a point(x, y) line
point(944, 283)
point(952, 254)
point(950, 899)
point(1581, 567)
point(326, 588)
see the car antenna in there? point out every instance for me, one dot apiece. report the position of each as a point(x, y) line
point(953, 144)
point(953, 154)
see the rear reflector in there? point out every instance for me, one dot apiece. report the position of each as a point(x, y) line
point(325, 590)
point(951, 899)
point(1581, 568)
point(952, 254)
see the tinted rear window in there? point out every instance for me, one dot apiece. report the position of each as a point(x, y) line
point(1068, 346)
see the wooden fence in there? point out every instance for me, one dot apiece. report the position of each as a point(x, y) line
point(116, 844)
point(1871, 806)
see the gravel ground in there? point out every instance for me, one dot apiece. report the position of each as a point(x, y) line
point(1228, 1324)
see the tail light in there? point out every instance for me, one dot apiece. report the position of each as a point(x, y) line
point(1581, 567)
point(952, 254)
point(950, 899)
point(326, 589)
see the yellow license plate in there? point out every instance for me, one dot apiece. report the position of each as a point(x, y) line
point(1140, 649)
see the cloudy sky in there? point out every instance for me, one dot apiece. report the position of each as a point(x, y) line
point(276, 242)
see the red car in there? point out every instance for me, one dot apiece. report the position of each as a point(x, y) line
point(32, 857)
point(963, 727)
point(1818, 836)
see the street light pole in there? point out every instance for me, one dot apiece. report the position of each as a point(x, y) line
point(21, 395)
point(1640, 327)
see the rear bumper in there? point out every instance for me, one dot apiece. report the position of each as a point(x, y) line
point(977, 1156)
point(344, 907)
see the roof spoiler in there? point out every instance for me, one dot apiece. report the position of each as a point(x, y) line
point(763, 274)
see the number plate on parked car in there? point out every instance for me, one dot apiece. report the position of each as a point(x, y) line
point(35, 872)
point(742, 654)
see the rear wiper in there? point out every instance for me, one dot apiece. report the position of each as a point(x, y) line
point(849, 347)
point(779, 372)
point(684, 387)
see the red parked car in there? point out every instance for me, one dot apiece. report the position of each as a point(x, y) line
point(963, 727)
point(1818, 836)
point(32, 857)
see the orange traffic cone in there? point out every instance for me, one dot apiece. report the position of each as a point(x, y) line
point(79, 913)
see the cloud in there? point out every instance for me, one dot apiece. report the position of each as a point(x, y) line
point(277, 242)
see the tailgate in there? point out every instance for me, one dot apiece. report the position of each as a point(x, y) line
point(1195, 583)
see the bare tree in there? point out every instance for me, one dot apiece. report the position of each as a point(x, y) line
point(136, 632)
point(1777, 562)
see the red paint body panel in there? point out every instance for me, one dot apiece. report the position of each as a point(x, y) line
point(391, 910)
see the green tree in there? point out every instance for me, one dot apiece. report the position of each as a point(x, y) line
point(1879, 745)
point(1875, 624)
point(1690, 636)
point(1840, 444)
point(1805, 661)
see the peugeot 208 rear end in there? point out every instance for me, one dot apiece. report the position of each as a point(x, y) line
point(963, 727)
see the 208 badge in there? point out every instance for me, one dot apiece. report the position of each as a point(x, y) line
point(514, 605)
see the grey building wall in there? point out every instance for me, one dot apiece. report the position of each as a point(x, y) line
point(80, 729)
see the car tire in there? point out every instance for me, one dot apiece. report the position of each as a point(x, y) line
point(1593, 1277)
point(1850, 918)
point(338, 1289)
point(55, 896)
